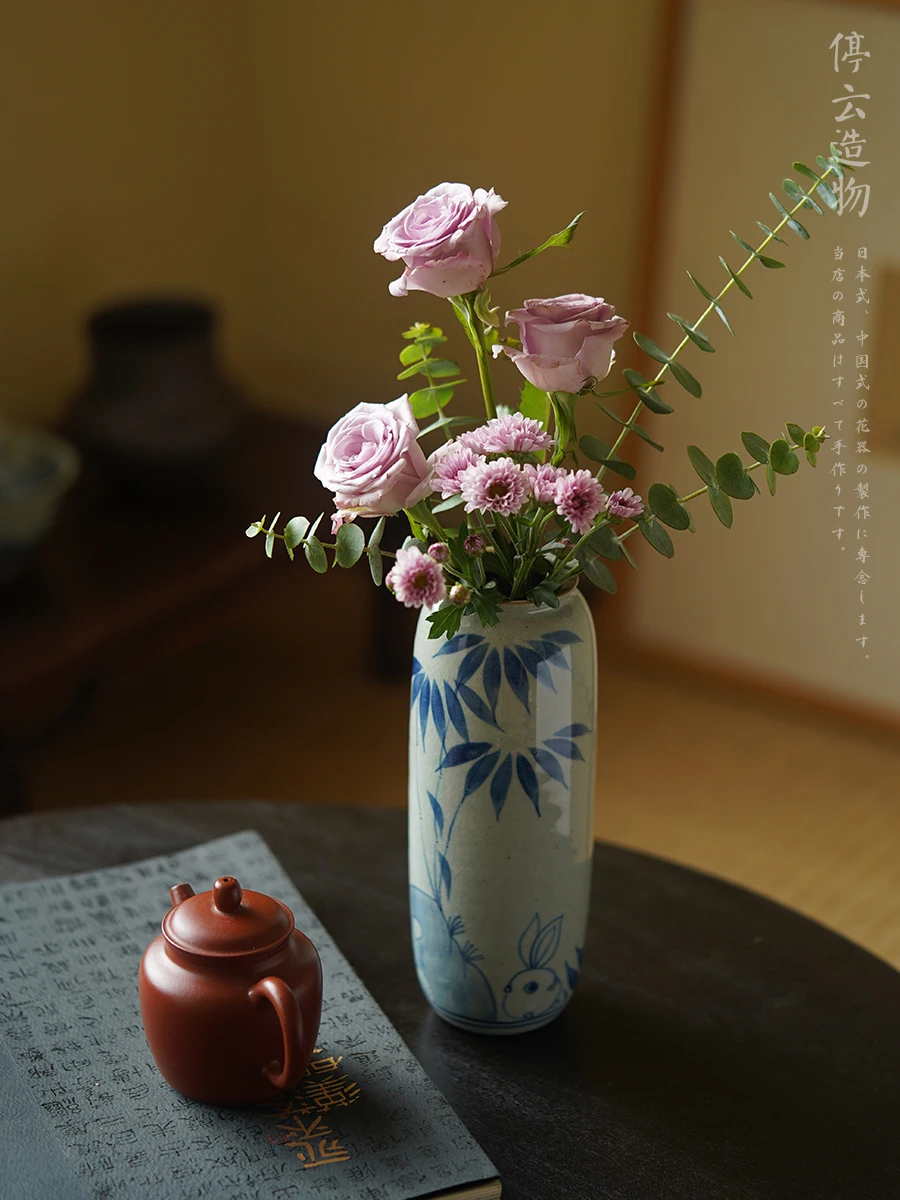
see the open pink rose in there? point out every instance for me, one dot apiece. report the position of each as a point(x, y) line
point(448, 240)
point(566, 342)
point(372, 461)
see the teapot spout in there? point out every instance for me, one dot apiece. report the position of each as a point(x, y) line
point(181, 891)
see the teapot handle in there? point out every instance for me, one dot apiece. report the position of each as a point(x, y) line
point(283, 1000)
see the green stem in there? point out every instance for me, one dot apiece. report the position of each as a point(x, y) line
point(464, 307)
point(713, 304)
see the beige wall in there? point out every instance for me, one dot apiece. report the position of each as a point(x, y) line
point(775, 593)
point(252, 152)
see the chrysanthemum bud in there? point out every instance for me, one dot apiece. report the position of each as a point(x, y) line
point(460, 594)
point(474, 545)
point(439, 551)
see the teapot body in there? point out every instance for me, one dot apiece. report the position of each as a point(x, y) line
point(230, 1030)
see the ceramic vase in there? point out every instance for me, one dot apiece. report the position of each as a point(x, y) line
point(501, 774)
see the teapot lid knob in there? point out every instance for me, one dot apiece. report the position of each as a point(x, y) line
point(227, 894)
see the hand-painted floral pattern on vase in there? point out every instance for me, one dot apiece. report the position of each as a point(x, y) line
point(501, 775)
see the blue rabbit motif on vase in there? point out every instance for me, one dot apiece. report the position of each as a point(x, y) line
point(501, 775)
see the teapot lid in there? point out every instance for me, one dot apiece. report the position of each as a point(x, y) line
point(226, 922)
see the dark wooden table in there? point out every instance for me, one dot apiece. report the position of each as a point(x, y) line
point(719, 1047)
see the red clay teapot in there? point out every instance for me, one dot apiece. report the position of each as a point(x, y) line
point(231, 995)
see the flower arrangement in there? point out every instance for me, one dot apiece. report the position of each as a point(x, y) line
point(534, 516)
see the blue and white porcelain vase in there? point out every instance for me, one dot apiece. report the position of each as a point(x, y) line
point(501, 780)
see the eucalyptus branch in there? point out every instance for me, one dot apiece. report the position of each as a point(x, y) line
point(464, 307)
point(714, 304)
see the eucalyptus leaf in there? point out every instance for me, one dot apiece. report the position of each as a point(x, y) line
point(797, 432)
point(736, 279)
point(664, 503)
point(295, 531)
point(645, 390)
point(438, 368)
point(794, 192)
point(771, 233)
point(707, 296)
point(603, 541)
point(657, 536)
point(771, 264)
point(699, 339)
point(446, 505)
point(412, 354)
point(558, 239)
point(756, 446)
point(686, 379)
point(826, 165)
point(792, 222)
point(349, 545)
point(650, 348)
point(807, 171)
point(732, 478)
point(618, 467)
point(429, 400)
point(376, 564)
point(704, 466)
point(771, 479)
point(315, 555)
point(599, 574)
point(593, 448)
point(782, 458)
point(721, 505)
point(377, 533)
point(743, 245)
point(811, 448)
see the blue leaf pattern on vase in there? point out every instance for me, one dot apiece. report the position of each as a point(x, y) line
point(445, 963)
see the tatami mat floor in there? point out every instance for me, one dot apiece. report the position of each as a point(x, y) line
point(802, 809)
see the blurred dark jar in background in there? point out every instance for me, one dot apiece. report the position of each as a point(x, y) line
point(156, 410)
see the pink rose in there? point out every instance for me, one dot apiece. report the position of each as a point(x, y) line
point(447, 238)
point(372, 461)
point(567, 342)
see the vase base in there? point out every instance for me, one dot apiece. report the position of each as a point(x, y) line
point(497, 1028)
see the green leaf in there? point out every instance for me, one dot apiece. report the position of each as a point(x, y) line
point(736, 279)
point(699, 339)
point(377, 533)
point(706, 295)
point(664, 503)
point(541, 594)
point(704, 466)
point(603, 541)
point(792, 222)
point(428, 400)
point(558, 239)
point(349, 545)
point(376, 564)
point(315, 555)
point(255, 528)
point(270, 537)
point(797, 432)
point(686, 379)
point(827, 164)
point(756, 446)
point(592, 447)
point(782, 459)
point(645, 436)
point(794, 192)
point(721, 505)
point(771, 233)
point(656, 535)
point(445, 422)
point(743, 245)
point(412, 354)
point(438, 368)
point(732, 478)
point(650, 348)
point(446, 621)
point(295, 531)
point(626, 470)
point(811, 448)
point(446, 505)
point(645, 391)
point(772, 264)
point(599, 574)
point(836, 159)
point(534, 403)
point(827, 196)
point(771, 479)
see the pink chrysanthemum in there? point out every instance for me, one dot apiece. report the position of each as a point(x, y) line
point(499, 486)
point(415, 579)
point(543, 480)
point(625, 503)
point(512, 434)
point(471, 439)
point(579, 498)
point(449, 461)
